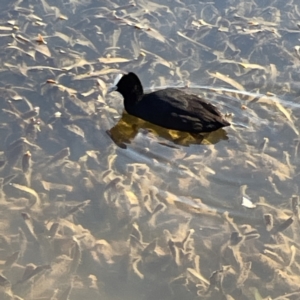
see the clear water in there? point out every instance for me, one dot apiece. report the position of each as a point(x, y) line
point(143, 212)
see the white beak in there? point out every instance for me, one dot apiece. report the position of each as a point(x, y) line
point(114, 86)
point(112, 89)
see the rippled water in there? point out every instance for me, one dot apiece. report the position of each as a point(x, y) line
point(112, 207)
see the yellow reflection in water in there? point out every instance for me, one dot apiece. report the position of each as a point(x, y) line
point(128, 126)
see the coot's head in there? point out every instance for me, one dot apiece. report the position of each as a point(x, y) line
point(130, 87)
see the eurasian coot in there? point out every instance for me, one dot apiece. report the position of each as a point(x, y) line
point(170, 108)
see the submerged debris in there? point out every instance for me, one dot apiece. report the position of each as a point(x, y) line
point(94, 206)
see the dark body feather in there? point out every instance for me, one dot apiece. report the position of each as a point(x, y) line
point(170, 108)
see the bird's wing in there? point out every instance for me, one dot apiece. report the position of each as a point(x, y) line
point(185, 102)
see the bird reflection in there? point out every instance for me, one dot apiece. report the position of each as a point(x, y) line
point(128, 127)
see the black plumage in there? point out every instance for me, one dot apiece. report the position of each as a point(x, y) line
point(170, 108)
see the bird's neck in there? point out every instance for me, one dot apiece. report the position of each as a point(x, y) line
point(131, 98)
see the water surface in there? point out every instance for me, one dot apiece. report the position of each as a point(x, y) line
point(106, 206)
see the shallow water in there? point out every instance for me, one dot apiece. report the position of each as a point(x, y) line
point(106, 206)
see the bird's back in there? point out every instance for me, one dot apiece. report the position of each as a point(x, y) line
point(175, 109)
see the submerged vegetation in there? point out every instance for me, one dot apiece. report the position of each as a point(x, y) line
point(94, 206)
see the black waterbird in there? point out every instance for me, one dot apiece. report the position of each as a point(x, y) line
point(170, 108)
